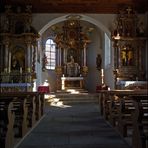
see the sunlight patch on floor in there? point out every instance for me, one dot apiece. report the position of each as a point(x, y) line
point(47, 96)
point(54, 101)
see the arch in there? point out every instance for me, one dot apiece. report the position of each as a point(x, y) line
point(83, 17)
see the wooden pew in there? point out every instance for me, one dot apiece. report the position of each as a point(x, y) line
point(121, 106)
point(6, 122)
point(140, 121)
point(125, 108)
point(104, 103)
point(20, 110)
point(27, 107)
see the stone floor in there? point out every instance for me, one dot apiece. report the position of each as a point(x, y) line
point(75, 125)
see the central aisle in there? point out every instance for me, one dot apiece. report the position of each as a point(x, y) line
point(75, 125)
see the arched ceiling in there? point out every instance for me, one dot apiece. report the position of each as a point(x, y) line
point(78, 6)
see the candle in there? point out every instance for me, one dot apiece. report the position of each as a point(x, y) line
point(20, 69)
point(102, 72)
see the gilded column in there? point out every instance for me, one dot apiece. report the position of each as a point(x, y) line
point(84, 53)
point(85, 68)
point(34, 58)
point(28, 60)
point(58, 69)
point(60, 57)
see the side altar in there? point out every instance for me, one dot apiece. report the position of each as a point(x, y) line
point(18, 47)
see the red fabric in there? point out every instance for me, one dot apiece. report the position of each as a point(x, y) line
point(100, 87)
point(44, 89)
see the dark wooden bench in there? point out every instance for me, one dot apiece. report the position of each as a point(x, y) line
point(119, 108)
point(26, 109)
point(140, 121)
point(6, 122)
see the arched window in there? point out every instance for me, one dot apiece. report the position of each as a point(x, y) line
point(50, 52)
point(107, 51)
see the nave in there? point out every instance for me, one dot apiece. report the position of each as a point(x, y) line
point(73, 121)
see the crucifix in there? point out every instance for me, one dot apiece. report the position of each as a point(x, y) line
point(129, 10)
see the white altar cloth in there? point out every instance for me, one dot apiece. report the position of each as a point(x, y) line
point(63, 79)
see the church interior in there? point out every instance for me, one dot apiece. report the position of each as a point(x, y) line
point(67, 63)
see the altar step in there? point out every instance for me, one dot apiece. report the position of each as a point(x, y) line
point(71, 99)
point(73, 90)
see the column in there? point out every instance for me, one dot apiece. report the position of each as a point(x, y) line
point(64, 56)
point(59, 56)
point(84, 53)
point(9, 66)
point(34, 58)
point(1, 56)
point(28, 60)
point(6, 56)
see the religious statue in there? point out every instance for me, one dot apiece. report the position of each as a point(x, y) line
point(124, 58)
point(15, 64)
point(72, 69)
point(98, 62)
point(127, 56)
point(140, 30)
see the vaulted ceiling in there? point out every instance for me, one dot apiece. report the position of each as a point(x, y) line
point(78, 6)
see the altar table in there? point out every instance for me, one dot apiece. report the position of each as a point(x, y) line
point(72, 82)
point(9, 87)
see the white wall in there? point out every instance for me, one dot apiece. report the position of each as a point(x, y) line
point(95, 47)
point(103, 23)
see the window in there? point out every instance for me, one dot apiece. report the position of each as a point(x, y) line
point(50, 52)
point(107, 51)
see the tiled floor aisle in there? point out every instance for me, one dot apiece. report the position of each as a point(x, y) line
point(75, 126)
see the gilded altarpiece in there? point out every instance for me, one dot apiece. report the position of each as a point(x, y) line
point(17, 46)
point(129, 43)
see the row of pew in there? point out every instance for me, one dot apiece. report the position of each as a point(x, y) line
point(19, 112)
point(127, 111)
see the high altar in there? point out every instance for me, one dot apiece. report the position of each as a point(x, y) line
point(71, 65)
